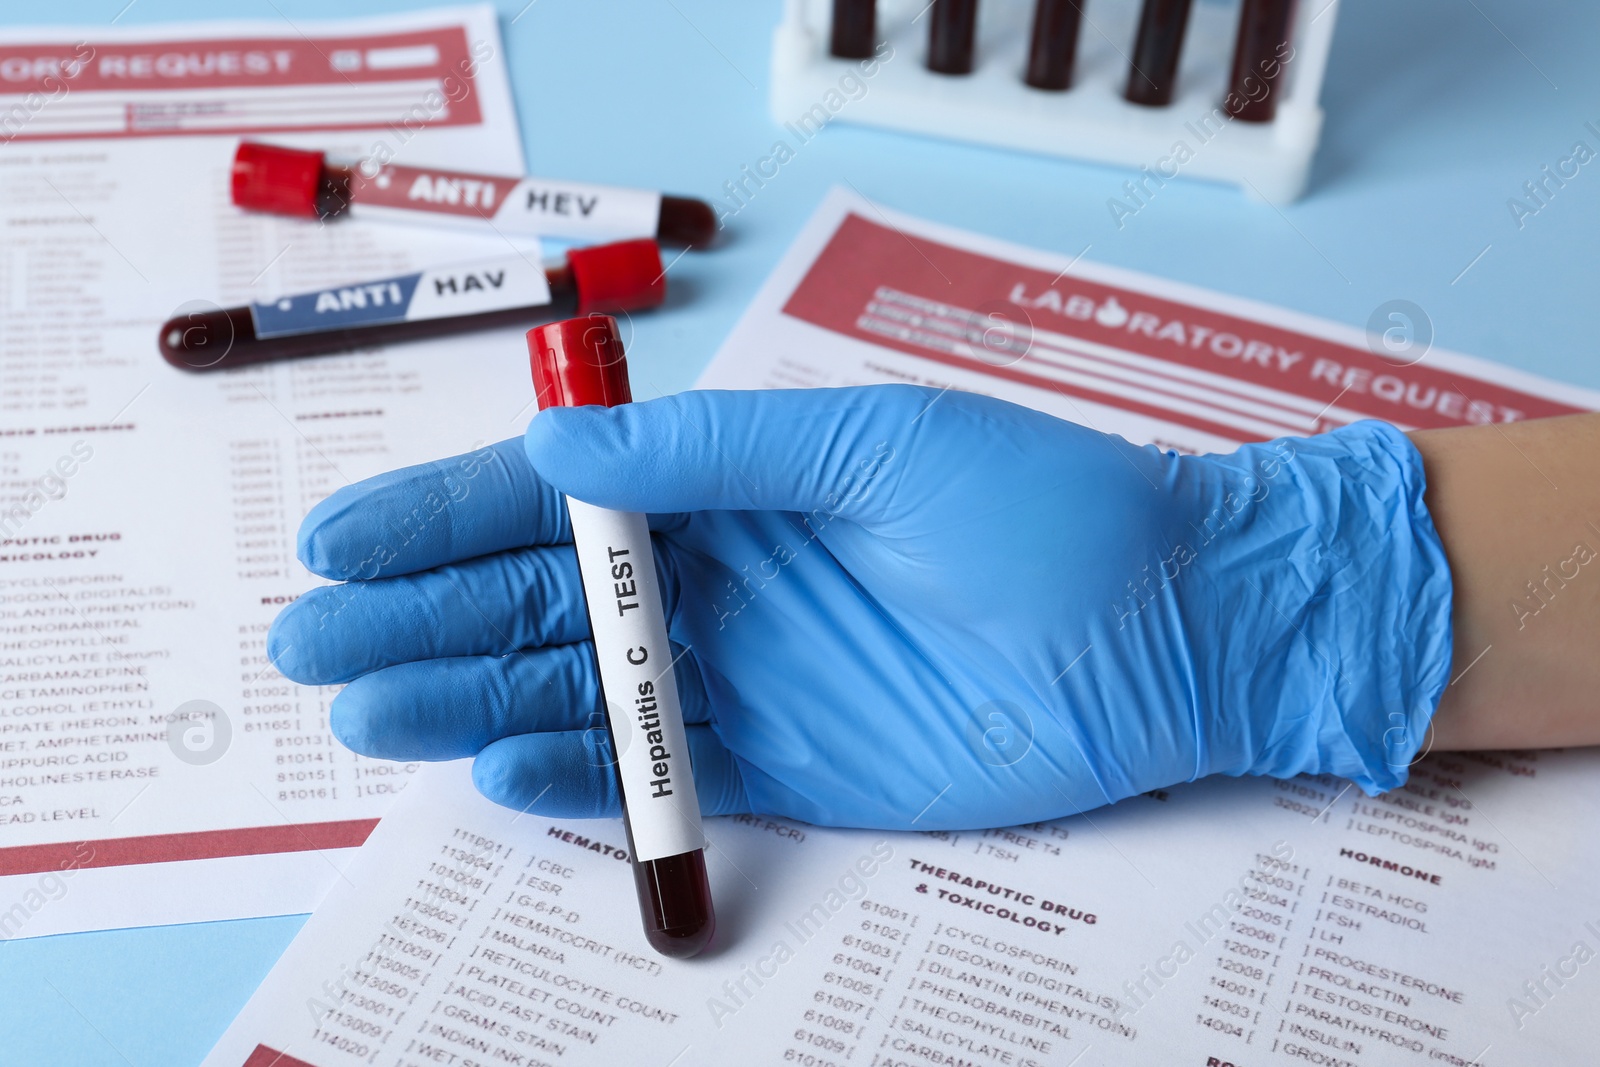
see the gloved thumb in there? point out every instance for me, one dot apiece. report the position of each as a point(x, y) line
point(710, 450)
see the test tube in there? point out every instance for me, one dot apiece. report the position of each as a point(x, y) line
point(289, 181)
point(1258, 59)
point(477, 295)
point(952, 27)
point(1054, 43)
point(580, 361)
point(854, 28)
point(1153, 74)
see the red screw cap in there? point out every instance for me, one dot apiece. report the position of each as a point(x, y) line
point(280, 180)
point(624, 276)
point(579, 361)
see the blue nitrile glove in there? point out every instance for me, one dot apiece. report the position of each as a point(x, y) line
point(895, 607)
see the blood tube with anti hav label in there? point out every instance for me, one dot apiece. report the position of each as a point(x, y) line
point(290, 181)
point(576, 362)
point(503, 291)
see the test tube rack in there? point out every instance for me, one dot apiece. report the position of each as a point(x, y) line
point(1090, 120)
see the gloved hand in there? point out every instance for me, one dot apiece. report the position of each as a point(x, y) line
point(892, 607)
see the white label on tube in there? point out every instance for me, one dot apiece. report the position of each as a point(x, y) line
point(641, 692)
point(508, 206)
point(444, 292)
point(491, 285)
point(572, 209)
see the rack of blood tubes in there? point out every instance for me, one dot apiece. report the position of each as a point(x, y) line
point(1218, 89)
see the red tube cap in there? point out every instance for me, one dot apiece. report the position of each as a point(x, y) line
point(624, 276)
point(579, 361)
point(281, 180)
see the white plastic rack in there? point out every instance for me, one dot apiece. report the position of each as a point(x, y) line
point(1193, 136)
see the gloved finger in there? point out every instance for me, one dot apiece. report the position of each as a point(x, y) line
point(419, 517)
point(449, 708)
point(569, 775)
point(785, 450)
point(493, 605)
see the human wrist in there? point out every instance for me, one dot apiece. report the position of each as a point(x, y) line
point(1335, 593)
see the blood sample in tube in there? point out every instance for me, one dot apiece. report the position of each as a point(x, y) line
point(580, 361)
point(503, 291)
point(854, 29)
point(289, 181)
point(952, 29)
point(1054, 43)
point(1153, 74)
point(1258, 59)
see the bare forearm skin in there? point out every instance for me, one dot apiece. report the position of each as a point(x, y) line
point(1517, 506)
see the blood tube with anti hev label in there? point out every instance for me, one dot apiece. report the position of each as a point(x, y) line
point(576, 362)
point(292, 181)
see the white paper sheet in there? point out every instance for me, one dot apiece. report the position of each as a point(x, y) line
point(147, 514)
point(1231, 921)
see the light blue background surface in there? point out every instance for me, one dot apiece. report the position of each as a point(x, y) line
point(1438, 112)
